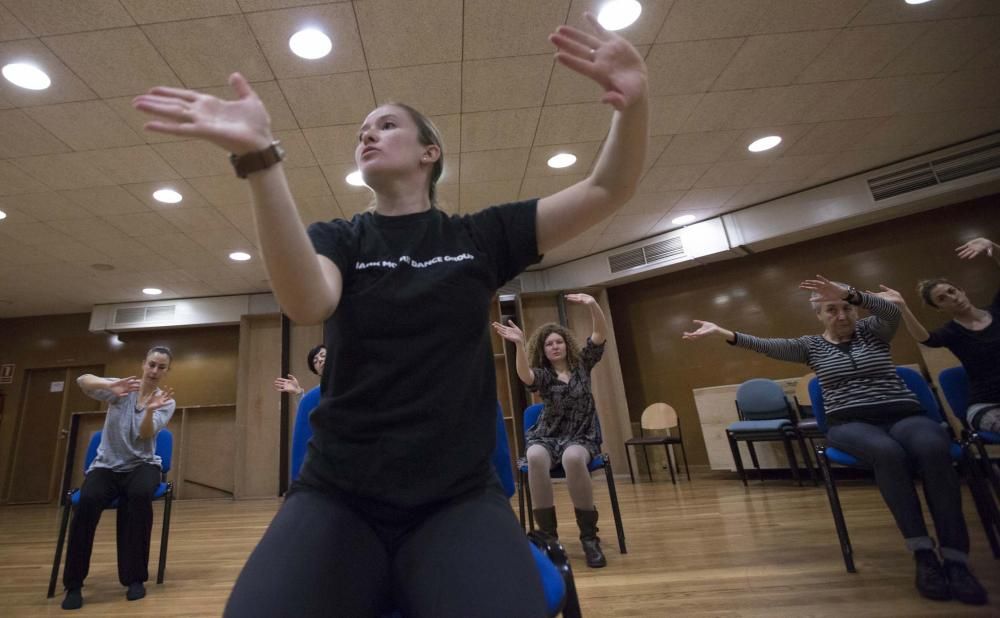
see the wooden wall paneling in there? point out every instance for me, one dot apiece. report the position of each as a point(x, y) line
point(257, 418)
point(207, 452)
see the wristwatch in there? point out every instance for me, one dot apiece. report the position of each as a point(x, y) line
point(246, 164)
point(853, 296)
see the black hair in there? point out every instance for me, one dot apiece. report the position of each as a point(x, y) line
point(311, 357)
point(161, 349)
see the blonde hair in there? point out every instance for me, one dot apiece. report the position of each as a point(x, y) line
point(536, 346)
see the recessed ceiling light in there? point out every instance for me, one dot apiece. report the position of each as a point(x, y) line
point(917, 1)
point(355, 179)
point(239, 256)
point(26, 76)
point(764, 143)
point(561, 160)
point(684, 219)
point(152, 291)
point(618, 14)
point(310, 44)
point(167, 196)
point(3, 215)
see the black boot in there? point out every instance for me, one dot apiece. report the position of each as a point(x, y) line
point(587, 520)
point(931, 580)
point(964, 585)
point(545, 519)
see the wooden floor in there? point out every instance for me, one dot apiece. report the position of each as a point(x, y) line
point(707, 548)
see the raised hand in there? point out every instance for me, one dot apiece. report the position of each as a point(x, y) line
point(287, 385)
point(889, 294)
point(583, 299)
point(704, 329)
point(824, 289)
point(239, 126)
point(510, 332)
point(161, 398)
point(125, 386)
point(604, 57)
point(975, 247)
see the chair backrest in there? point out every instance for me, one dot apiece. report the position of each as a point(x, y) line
point(913, 380)
point(302, 430)
point(501, 456)
point(164, 448)
point(954, 383)
point(761, 399)
point(658, 416)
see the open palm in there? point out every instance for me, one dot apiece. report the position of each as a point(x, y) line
point(510, 332)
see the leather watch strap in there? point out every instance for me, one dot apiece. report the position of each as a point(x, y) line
point(256, 161)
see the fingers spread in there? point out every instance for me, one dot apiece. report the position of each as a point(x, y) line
point(175, 93)
point(570, 46)
point(584, 38)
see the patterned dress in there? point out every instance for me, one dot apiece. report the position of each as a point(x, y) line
point(569, 416)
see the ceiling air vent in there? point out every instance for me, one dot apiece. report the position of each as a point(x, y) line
point(649, 254)
point(903, 181)
point(137, 315)
point(967, 163)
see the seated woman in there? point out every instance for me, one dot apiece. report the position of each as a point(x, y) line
point(126, 468)
point(873, 416)
point(316, 359)
point(556, 368)
point(973, 335)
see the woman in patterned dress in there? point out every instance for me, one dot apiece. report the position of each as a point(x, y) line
point(567, 432)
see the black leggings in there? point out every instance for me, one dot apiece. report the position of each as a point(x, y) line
point(895, 452)
point(320, 557)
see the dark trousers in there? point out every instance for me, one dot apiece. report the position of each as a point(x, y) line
point(134, 490)
point(895, 452)
point(321, 557)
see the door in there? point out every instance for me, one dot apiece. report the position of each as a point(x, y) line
point(49, 396)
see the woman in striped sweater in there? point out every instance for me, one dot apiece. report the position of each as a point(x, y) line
point(873, 416)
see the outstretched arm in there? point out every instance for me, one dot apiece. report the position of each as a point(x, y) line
point(91, 385)
point(979, 246)
point(913, 325)
point(307, 286)
point(515, 335)
point(600, 328)
point(791, 350)
point(614, 63)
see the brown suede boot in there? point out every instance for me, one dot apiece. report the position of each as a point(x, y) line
point(545, 520)
point(587, 520)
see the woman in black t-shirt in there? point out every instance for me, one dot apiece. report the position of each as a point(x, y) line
point(397, 503)
point(972, 334)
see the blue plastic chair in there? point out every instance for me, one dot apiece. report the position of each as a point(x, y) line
point(602, 461)
point(165, 490)
point(827, 455)
point(550, 557)
point(765, 416)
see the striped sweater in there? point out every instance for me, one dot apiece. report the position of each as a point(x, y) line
point(861, 377)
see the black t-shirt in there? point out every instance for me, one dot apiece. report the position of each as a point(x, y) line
point(408, 416)
point(979, 352)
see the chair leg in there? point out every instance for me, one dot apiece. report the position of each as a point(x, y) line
point(988, 470)
point(687, 468)
point(522, 481)
point(737, 458)
point(614, 504)
point(531, 510)
point(985, 507)
point(838, 513)
point(792, 462)
point(670, 464)
point(165, 533)
point(649, 468)
point(631, 473)
point(806, 459)
point(756, 463)
point(63, 524)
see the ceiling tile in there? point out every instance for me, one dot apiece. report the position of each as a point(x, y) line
point(20, 136)
point(35, 234)
point(789, 134)
point(87, 125)
point(668, 114)
point(47, 206)
point(543, 186)
point(266, 5)
point(114, 62)
point(74, 252)
point(504, 83)
point(335, 175)
point(451, 173)
point(136, 120)
point(644, 30)
point(62, 171)
point(192, 49)
point(858, 53)
point(796, 15)
point(585, 153)
point(788, 168)
point(221, 190)
point(330, 99)
point(691, 148)
point(110, 200)
point(657, 144)
point(14, 214)
point(194, 158)
point(637, 224)
point(705, 199)
point(150, 11)
point(431, 88)
point(270, 93)
point(10, 28)
point(894, 12)
point(220, 240)
point(731, 173)
point(962, 90)
point(297, 148)
point(773, 59)
point(476, 196)
point(56, 17)
point(663, 179)
point(718, 111)
point(500, 129)
point(563, 124)
point(424, 32)
point(945, 46)
point(757, 193)
point(883, 96)
point(658, 203)
point(307, 182)
point(688, 67)
point(836, 136)
point(313, 208)
point(15, 181)
point(131, 165)
point(65, 85)
point(512, 28)
point(796, 103)
point(142, 224)
point(450, 128)
point(710, 19)
point(448, 198)
point(17, 254)
point(274, 28)
point(606, 242)
point(333, 144)
point(488, 165)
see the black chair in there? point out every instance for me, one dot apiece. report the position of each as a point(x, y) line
point(765, 416)
point(603, 460)
point(659, 417)
point(165, 490)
